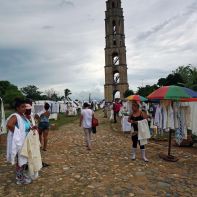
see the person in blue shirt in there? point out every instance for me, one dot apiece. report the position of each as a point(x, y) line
point(43, 125)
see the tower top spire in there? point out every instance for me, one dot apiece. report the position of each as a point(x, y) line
point(113, 4)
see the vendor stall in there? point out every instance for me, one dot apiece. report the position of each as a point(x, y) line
point(171, 115)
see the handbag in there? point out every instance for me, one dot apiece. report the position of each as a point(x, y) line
point(94, 122)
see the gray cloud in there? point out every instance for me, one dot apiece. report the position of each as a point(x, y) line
point(60, 44)
point(47, 27)
point(66, 3)
point(183, 16)
point(147, 76)
point(155, 29)
point(191, 8)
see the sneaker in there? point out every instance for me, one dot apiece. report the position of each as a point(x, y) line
point(25, 175)
point(24, 181)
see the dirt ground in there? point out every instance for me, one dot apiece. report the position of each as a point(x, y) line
point(106, 170)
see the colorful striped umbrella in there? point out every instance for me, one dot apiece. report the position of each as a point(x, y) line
point(136, 98)
point(172, 93)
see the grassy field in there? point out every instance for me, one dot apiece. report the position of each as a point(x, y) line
point(62, 120)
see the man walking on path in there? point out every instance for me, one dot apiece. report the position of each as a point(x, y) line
point(86, 122)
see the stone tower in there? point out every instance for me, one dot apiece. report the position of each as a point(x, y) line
point(115, 51)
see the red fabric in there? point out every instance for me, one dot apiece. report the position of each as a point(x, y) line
point(117, 107)
point(189, 100)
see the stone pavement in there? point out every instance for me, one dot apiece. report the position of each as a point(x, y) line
point(107, 170)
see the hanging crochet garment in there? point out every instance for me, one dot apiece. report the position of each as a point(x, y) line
point(180, 130)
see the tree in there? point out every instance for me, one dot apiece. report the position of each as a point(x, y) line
point(128, 93)
point(44, 97)
point(194, 79)
point(174, 79)
point(9, 92)
point(171, 79)
point(145, 91)
point(161, 82)
point(51, 94)
point(189, 76)
point(185, 72)
point(5, 86)
point(54, 97)
point(31, 92)
point(67, 92)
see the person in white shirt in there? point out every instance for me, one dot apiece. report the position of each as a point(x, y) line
point(86, 122)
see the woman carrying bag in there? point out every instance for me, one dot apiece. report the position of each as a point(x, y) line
point(136, 116)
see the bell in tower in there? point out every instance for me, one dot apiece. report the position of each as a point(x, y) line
point(115, 52)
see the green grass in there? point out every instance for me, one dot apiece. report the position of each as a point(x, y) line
point(63, 119)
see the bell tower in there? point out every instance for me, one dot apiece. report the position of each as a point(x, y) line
point(115, 51)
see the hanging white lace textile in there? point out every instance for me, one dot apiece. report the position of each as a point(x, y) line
point(15, 142)
point(3, 120)
point(193, 126)
point(143, 131)
point(31, 150)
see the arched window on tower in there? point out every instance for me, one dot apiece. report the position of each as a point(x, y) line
point(113, 5)
point(116, 77)
point(116, 94)
point(114, 42)
point(115, 59)
point(114, 27)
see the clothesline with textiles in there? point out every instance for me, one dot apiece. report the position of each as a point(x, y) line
point(2, 118)
point(70, 107)
point(177, 116)
point(166, 115)
point(38, 106)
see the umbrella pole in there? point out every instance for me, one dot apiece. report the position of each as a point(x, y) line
point(169, 157)
point(169, 142)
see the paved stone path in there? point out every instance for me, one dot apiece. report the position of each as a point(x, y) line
point(107, 170)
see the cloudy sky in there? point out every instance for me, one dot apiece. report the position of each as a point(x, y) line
point(60, 43)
